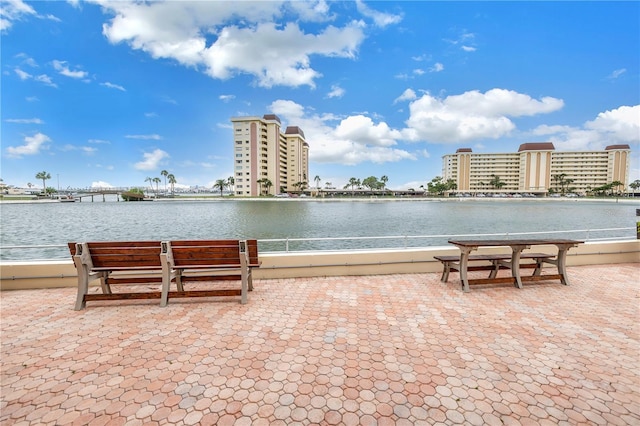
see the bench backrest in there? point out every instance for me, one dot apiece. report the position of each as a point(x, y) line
point(124, 254)
point(212, 252)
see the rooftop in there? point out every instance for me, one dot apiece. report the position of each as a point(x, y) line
point(403, 349)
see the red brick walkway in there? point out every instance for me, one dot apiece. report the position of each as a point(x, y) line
point(399, 349)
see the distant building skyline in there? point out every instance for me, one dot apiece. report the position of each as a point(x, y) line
point(538, 168)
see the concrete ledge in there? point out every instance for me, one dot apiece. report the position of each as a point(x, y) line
point(51, 274)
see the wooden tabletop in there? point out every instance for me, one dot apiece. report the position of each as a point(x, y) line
point(515, 242)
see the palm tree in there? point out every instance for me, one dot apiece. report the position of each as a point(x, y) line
point(172, 181)
point(150, 180)
point(317, 180)
point(496, 182)
point(157, 181)
point(165, 174)
point(220, 184)
point(260, 182)
point(268, 184)
point(44, 176)
point(616, 184)
point(231, 182)
point(384, 179)
point(353, 182)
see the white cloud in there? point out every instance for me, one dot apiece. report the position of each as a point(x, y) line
point(113, 86)
point(24, 120)
point(151, 160)
point(465, 40)
point(424, 153)
point(472, 115)
point(380, 19)
point(407, 95)
point(349, 140)
point(23, 75)
point(32, 146)
point(63, 69)
point(363, 130)
point(88, 150)
point(437, 67)
point(275, 52)
point(45, 79)
point(336, 92)
point(617, 73)
point(145, 137)
point(27, 60)
point(101, 184)
point(99, 141)
point(622, 124)
point(13, 10)
point(226, 98)
point(618, 126)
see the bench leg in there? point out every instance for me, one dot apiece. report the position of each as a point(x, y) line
point(104, 283)
point(166, 284)
point(538, 271)
point(445, 272)
point(83, 289)
point(250, 279)
point(179, 284)
point(496, 268)
point(245, 285)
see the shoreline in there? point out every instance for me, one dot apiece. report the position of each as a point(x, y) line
point(374, 199)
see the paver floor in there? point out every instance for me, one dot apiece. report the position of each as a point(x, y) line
point(397, 349)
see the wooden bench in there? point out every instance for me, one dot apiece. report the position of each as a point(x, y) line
point(201, 260)
point(134, 262)
point(452, 263)
point(158, 262)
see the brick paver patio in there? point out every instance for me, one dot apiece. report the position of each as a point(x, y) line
point(398, 349)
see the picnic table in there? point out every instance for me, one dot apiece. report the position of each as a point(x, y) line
point(517, 247)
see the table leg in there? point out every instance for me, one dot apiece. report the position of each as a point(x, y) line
point(515, 264)
point(562, 264)
point(464, 262)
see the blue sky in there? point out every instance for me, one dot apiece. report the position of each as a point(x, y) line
point(102, 93)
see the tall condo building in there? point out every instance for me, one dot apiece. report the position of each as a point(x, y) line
point(537, 168)
point(266, 160)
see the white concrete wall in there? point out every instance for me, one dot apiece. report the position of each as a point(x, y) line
point(30, 275)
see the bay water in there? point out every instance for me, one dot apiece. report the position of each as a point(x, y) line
point(327, 221)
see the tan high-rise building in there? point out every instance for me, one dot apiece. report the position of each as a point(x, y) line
point(263, 155)
point(538, 168)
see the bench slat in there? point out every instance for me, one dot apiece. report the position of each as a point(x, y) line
point(157, 294)
point(505, 256)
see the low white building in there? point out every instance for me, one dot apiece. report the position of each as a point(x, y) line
point(537, 168)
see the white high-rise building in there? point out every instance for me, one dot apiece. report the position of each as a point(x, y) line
point(267, 161)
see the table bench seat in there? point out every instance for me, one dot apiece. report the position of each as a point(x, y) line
point(498, 261)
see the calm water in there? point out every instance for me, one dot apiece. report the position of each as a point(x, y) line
point(58, 223)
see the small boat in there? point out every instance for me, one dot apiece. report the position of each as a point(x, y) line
point(66, 198)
